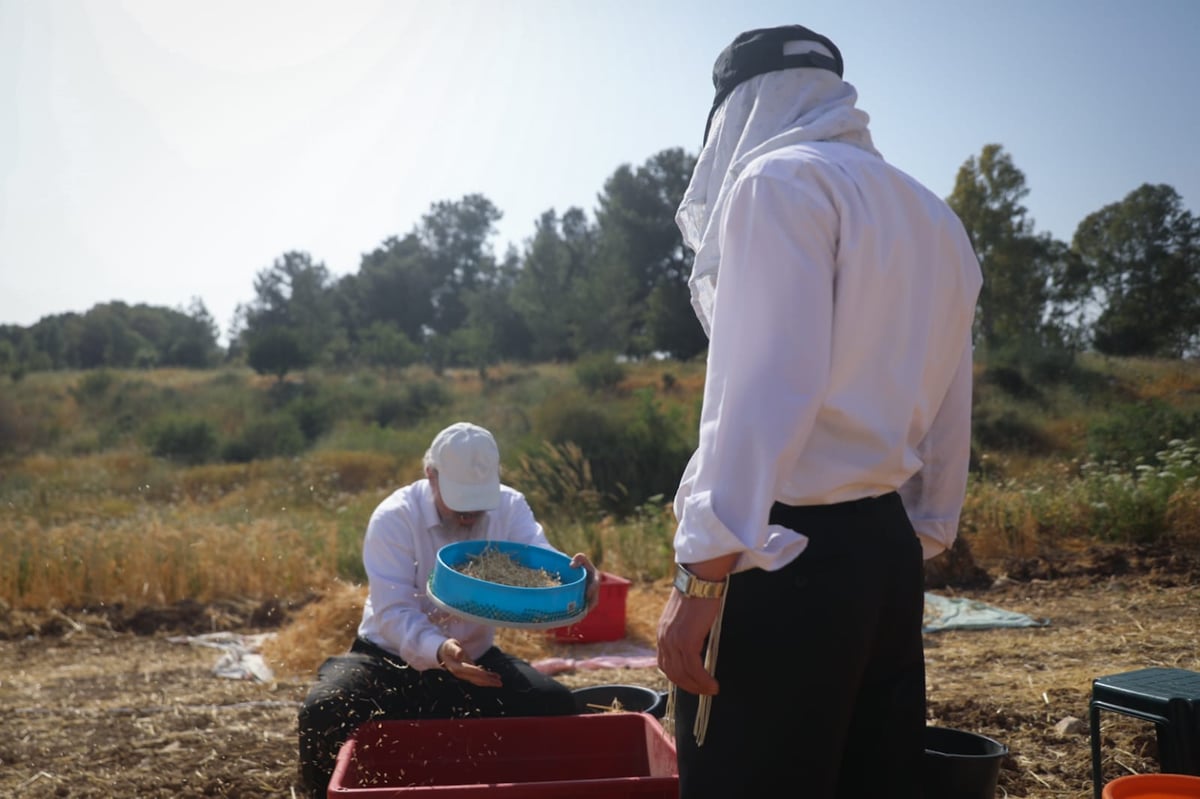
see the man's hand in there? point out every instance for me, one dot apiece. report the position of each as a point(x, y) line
point(682, 629)
point(455, 660)
point(593, 578)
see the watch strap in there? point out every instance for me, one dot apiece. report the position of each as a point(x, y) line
point(689, 584)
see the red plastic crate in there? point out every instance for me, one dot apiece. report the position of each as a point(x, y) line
point(560, 757)
point(606, 622)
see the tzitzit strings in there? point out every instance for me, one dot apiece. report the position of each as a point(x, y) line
point(704, 706)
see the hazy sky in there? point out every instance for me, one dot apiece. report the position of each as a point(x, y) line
point(160, 150)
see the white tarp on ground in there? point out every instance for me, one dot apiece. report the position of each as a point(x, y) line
point(240, 658)
point(958, 613)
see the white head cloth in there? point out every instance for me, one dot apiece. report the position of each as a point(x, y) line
point(767, 112)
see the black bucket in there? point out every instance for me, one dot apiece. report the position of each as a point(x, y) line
point(607, 698)
point(961, 765)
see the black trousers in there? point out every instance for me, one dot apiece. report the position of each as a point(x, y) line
point(821, 667)
point(369, 683)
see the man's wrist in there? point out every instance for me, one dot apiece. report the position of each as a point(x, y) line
point(691, 584)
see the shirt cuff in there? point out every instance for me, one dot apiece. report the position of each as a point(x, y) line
point(426, 653)
point(936, 536)
point(702, 536)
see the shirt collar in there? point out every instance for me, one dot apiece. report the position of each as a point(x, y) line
point(429, 515)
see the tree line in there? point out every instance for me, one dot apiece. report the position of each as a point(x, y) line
point(1127, 284)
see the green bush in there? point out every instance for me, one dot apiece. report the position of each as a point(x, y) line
point(600, 372)
point(634, 452)
point(94, 385)
point(314, 416)
point(130, 403)
point(411, 405)
point(1136, 431)
point(1036, 363)
point(1006, 430)
point(1132, 505)
point(266, 437)
point(185, 439)
point(1010, 380)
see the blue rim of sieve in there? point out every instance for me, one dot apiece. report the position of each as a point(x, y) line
point(476, 612)
point(490, 611)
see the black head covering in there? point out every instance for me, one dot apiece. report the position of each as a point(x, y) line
point(761, 50)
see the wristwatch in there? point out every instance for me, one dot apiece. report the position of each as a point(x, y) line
point(689, 584)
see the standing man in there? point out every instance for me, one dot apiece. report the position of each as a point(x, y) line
point(838, 295)
point(410, 659)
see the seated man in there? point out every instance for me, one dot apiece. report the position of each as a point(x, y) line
point(411, 659)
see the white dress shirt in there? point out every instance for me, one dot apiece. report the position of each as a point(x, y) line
point(839, 362)
point(399, 552)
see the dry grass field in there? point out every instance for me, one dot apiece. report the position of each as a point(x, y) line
point(106, 704)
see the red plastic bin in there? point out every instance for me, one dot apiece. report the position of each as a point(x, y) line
point(595, 755)
point(606, 622)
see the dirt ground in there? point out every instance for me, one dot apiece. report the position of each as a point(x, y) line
point(100, 703)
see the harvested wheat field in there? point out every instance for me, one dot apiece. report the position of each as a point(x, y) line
point(105, 702)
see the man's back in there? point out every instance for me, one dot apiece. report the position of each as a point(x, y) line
point(904, 278)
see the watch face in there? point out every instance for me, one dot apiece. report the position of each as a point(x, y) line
point(689, 584)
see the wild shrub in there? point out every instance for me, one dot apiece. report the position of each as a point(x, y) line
point(1052, 364)
point(127, 408)
point(557, 481)
point(1001, 519)
point(314, 415)
point(636, 546)
point(282, 392)
point(642, 549)
point(406, 444)
point(599, 372)
point(93, 386)
point(579, 535)
point(186, 439)
point(412, 404)
point(1132, 431)
point(1010, 380)
point(1027, 364)
point(1139, 505)
point(265, 437)
point(634, 451)
point(1097, 501)
point(1007, 430)
point(659, 443)
point(389, 411)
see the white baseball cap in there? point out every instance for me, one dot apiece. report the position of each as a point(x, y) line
point(467, 461)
